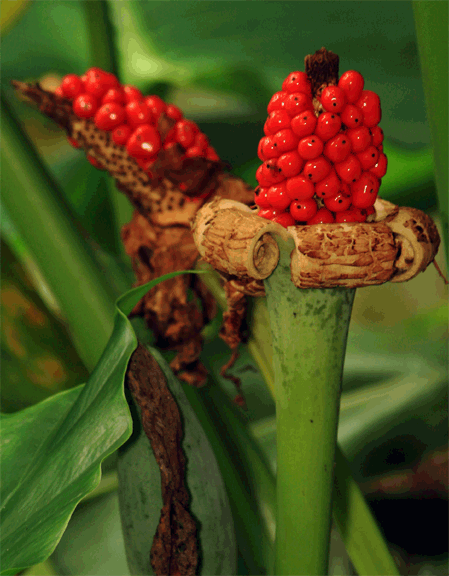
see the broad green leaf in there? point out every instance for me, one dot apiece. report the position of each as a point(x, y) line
point(140, 491)
point(11, 12)
point(51, 452)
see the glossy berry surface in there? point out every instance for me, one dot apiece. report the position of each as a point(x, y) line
point(369, 104)
point(304, 124)
point(338, 203)
point(109, 116)
point(277, 120)
point(380, 168)
point(296, 103)
point(364, 191)
point(144, 142)
point(349, 170)
point(352, 116)
point(297, 82)
point(338, 148)
point(98, 82)
point(277, 102)
point(329, 186)
point(85, 105)
point(360, 138)
point(277, 196)
point(137, 112)
point(328, 126)
point(71, 86)
point(323, 216)
point(261, 197)
point(352, 83)
point(303, 210)
point(317, 169)
point(310, 147)
point(121, 134)
point(368, 158)
point(285, 219)
point(299, 188)
point(285, 140)
point(333, 99)
point(132, 93)
point(290, 164)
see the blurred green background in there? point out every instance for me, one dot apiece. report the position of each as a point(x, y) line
point(220, 62)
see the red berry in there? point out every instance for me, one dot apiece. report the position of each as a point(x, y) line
point(369, 157)
point(285, 219)
point(297, 102)
point(351, 215)
point(328, 125)
point(338, 148)
point(121, 134)
point(360, 138)
point(58, 91)
point(277, 120)
point(212, 155)
point(268, 174)
point(304, 124)
point(290, 164)
point(156, 105)
point(298, 188)
point(71, 86)
point(377, 135)
point(132, 93)
point(145, 164)
point(267, 148)
point(277, 196)
point(303, 210)
point(195, 152)
point(114, 95)
point(350, 169)
point(186, 130)
point(85, 105)
point(73, 142)
point(144, 142)
point(109, 116)
point(323, 216)
point(285, 140)
point(277, 102)
point(329, 186)
point(369, 104)
point(340, 202)
point(173, 112)
point(333, 99)
point(268, 213)
point(138, 113)
point(94, 162)
point(98, 82)
point(352, 83)
point(370, 210)
point(261, 197)
point(297, 82)
point(364, 191)
point(352, 117)
point(317, 169)
point(310, 147)
point(380, 169)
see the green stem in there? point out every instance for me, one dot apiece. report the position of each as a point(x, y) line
point(309, 330)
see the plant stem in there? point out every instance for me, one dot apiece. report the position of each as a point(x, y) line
point(309, 330)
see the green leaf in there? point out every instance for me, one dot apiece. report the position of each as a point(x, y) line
point(140, 491)
point(51, 452)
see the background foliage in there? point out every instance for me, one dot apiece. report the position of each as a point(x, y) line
point(220, 62)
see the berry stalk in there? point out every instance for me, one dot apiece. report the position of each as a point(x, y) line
point(309, 330)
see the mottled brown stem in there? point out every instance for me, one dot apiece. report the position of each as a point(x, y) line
point(322, 70)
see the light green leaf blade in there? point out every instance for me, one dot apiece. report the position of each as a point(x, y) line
point(51, 452)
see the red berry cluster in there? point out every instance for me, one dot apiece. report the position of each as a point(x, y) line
point(132, 118)
point(320, 169)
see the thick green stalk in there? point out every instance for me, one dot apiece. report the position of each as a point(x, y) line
point(309, 330)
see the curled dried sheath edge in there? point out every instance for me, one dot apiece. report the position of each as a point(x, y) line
point(399, 244)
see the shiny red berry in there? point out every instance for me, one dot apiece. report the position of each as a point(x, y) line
point(277, 120)
point(109, 116)
point(144, 142)
point(268, 174)
point(317, 169)
point(173, 112)
point(261, 197)
point(369, 104)
point(304, 124)
point(297, 82)
point(290, 164)
point(377, 135)
point(201, 140)
point(277, 196)
point(364, 191)
point(114, 95)
point(333, 99)
point(132, 93)
point(285, 140)
point(85, 105)
point(310, 147)
point(360, 138)
point(71, 86)
point(352, 83)
point(340, 202)
point(303, 210)
point(195, 152)
point(121, 134)
point(338, 148)
point(369, 157)
point(328, 187)
point(58, 91)
point(352, 117)
point(349, 170)
point(156, 105)
point(137, 113)
point(268, 213)
point(186, 130)
point(269, 149)
point(296, 103)
point(323, 216)
point(277, 102)
point(212, 155)
point(351, 215)
point(380, 169)
point(98, 82)
point(298, 188)
point(327, 126)
point(285, 219)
